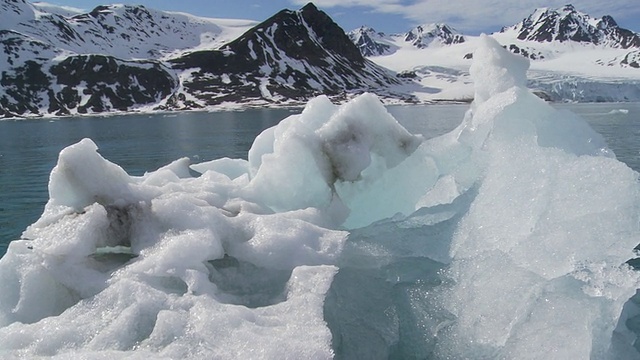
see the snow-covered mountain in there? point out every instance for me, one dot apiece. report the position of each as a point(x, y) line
point(424, 35)
point(566, 28)
point(631, 59)
point(123, 31)
point(57, 61)
point(372, 43)
point(574, 57)
point(293, 55)
point(123, 58)
point(568, 24)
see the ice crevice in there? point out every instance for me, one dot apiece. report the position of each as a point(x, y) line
point(343, 236)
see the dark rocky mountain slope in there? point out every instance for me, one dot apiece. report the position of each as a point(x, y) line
point(293, 55)
point(568, 24)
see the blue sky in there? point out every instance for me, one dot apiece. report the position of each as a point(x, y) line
point(392, 16)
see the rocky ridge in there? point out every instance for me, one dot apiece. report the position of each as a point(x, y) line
point(373, 43)
point(294, 55)
point(568, 24)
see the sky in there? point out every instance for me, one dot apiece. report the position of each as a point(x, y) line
point(392, 16)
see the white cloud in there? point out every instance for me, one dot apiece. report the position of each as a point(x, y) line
point(474, 15)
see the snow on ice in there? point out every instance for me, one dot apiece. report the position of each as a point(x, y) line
point(344, 236)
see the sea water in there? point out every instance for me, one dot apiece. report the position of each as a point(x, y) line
point(141, 142)
point(29, 150)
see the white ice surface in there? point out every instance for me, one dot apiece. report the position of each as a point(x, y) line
point(569, 71)
point(342, 234)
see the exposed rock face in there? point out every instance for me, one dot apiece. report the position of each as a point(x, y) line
point(108, 84)
point(629, 60)
point(372, 43)
point(632, 59)
point(24, 90)
point(369, 42)
point(423, 35)
point(292, 55)
point(568, 24)
point(527, 52)
point(83, 84)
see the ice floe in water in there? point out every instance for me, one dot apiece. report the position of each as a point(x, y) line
point(344, 236)
point(619, 112)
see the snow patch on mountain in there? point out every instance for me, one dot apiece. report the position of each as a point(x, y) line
point(574, 57)
point(123, 31)
point(66, 11)
point(433, 34)
point(373, 43)
point(568, 24)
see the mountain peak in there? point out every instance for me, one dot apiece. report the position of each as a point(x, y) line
point(289, 31)
point(607, 21)
point(329, 34)
point(369, 41)
point(423, 35)
point(292, 55)
point(569, 24)
point(310, 7)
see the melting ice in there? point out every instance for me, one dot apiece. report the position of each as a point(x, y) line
point(344, 236)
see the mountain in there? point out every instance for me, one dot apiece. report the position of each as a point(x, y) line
point(292, 55)
point(632, 59)
point(80, 84)
point(567, 27)
point(123, 58)
point(373, 43)
point(573, 57)
point(122, 31)
point(424, 35)
point(568, 24)
point(39, 78)
point(109, 59)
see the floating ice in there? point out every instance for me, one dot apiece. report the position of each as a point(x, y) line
point(308, 159)
point(342, 236)
point(619, 111)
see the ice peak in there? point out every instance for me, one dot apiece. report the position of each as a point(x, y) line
point(495, 70)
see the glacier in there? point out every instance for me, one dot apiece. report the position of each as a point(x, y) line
point(342, 236)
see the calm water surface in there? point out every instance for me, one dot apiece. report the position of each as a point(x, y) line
point(139, 143)
point(29, 150)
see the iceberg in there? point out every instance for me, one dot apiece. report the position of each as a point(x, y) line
point(342, 236)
